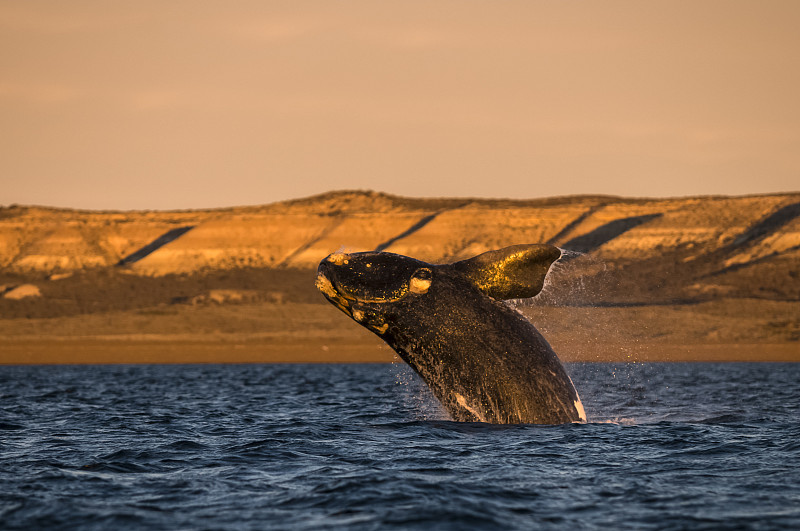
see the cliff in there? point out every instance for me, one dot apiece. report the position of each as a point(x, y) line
point(694, 271)
point(730, 231)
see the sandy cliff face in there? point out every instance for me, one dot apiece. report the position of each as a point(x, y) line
point(58, 240)
point(725, 233)
point(682, 271)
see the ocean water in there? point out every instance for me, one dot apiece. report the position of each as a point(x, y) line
point(667, 446)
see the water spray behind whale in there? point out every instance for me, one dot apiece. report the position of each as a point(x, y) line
point(482, 359)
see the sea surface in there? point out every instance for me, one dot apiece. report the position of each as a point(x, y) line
point(667, 446)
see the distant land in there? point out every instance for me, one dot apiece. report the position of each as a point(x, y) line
point(696, 278)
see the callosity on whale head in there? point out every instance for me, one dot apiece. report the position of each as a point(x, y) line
point(483, 360)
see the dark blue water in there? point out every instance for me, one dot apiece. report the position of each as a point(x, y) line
point(667, 446)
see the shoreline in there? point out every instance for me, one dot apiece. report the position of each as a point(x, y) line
point(86, 351)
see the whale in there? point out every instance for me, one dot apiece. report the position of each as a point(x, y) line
point(483, 360)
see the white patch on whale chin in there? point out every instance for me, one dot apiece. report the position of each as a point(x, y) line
point(579, 409)
point(419, 285)
point(358, 315)
point(463, 403)
point(578, 404)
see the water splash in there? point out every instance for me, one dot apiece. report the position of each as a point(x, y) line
point(569, 254)
point(417, 394)
point(572, 315)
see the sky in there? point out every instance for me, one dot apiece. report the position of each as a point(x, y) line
point(186, 104)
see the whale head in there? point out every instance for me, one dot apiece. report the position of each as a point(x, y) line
point(374, 287)
point(366, 285)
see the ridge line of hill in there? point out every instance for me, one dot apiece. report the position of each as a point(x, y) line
point(426, 203)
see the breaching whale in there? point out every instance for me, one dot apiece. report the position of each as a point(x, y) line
point(484, 361)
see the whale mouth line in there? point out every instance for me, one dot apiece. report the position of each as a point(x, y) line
point(340, 295)
point(350, 305)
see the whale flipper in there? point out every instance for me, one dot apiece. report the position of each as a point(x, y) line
point(515, 272)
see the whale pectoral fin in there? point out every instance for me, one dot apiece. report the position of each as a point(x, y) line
point(515, 272)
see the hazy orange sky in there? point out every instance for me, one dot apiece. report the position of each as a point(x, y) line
point(168, 104)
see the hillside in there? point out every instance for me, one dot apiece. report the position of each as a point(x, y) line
point(729, 231)
point(620, 254)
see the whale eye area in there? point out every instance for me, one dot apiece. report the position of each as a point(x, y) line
point(420, 281)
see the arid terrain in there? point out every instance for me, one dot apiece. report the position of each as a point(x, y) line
point(701, 278)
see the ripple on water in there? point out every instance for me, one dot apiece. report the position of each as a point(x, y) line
point(309, 447)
